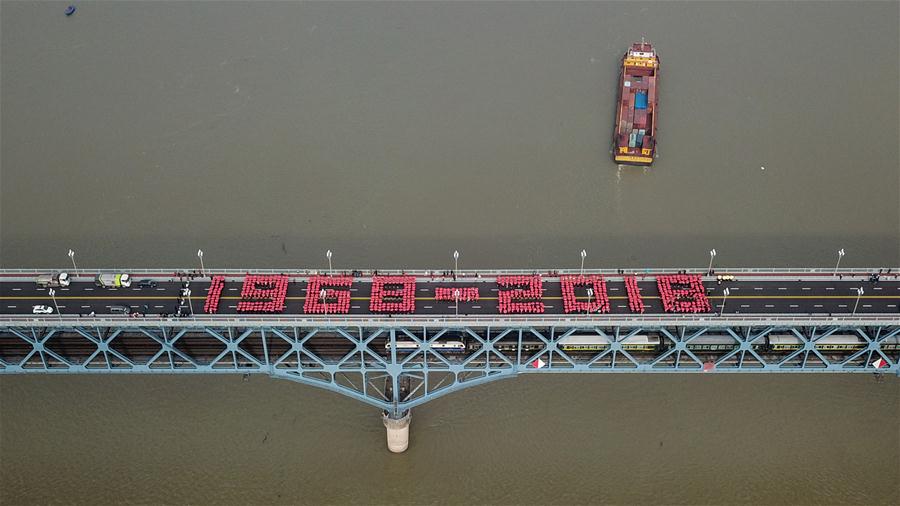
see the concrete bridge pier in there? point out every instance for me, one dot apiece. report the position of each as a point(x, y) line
point(397, 425)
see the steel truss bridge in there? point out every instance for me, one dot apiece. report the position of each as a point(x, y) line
point(400, 361)
point(398, 364)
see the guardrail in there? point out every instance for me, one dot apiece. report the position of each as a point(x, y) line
point(450, 321)
point(460, 273)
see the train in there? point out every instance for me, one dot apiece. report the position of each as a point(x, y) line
point(643, 343)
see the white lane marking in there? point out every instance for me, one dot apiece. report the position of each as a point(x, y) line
point(157, 307)
point(427, 307)
point(549, 307)
point(232, 289)
point(806, 288)
point(232, 307)
point(423, 289)
point(622, 307)
point(65, 289)
point(613, 289)
point(782, 288)
point(63, 307)
point(757, 288)
point(11, 307)
point(829, 288)
point(354, 289)
point(892, 305)
point(745, 305)
point(135, 289)
point(354, 307)
point(89, 289)
point(16, 289)
point(769, 305)
point(476, 307)
point(85, 307)
point(864, 305)
point(842, 305)
point(160, 289)
point(818, 305)
point(794, 305)
point(877, 288)
point(496, 290)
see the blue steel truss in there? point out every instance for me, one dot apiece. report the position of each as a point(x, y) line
point(397, 366)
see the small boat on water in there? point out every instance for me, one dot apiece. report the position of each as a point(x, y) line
point(635, 135)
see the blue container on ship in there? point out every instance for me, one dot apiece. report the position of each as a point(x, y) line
point(640, 100)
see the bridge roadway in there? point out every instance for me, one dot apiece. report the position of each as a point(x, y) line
point(751, 294)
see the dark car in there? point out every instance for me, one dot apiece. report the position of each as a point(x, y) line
point(148, 283)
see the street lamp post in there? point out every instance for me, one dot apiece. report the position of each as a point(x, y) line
point(53, 296)
point(322, 294)
point(712, 254)
point(590, 292)
point(456, 296)
point(200, 256)
point(583, 254)
point(840, 256)
point(328, 256)
point(455, 263)
point(187, 295)
point(859, 293)
point(725, 292)
point(72, 257)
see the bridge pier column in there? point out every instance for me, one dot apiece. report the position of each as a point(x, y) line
point(397, 425)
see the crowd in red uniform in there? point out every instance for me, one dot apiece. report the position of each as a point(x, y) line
point(263, 294)
point(682, 293)
point(337, 295)
point(510, 301)
point(466, 294)
point(679, 293)
point(213, 295)
point(597, 302)
point(635, 301)
point(400, 299)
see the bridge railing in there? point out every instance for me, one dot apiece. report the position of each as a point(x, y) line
point(452, 321)
point(460, 273)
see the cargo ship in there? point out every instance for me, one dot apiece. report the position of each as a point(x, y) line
point(634, 139)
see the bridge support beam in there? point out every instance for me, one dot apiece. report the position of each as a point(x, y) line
point(397, 425)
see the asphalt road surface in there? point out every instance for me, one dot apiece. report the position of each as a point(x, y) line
point(818, 296)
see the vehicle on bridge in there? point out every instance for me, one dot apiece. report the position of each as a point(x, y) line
point(438, 345)
point(53, 280)
point(41, 309)
point(113, 280)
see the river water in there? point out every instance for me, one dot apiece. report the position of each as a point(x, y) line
point(393, 133)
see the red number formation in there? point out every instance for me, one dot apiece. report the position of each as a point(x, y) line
point(530, 288)
point(393, 294)
point(635, 302)
point(466, 294)
point(597, 302)
point(682, 293)
point(263, 294)
point(214, 294)
point(337, 295)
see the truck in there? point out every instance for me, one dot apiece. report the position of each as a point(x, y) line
point(53, 280)
point(113, 280)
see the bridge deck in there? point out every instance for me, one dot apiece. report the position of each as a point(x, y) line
point(800, 293)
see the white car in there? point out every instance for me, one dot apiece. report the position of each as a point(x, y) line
point(41, 310)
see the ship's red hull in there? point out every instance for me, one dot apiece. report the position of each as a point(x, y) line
point(634, 139)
